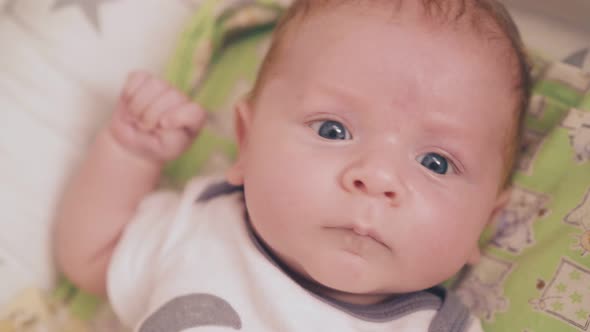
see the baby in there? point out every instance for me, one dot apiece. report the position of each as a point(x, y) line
point(375, 147)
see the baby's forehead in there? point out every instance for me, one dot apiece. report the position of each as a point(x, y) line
point(434, 17)
point(419, 56)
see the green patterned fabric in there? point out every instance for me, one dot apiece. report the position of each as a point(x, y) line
point(534, 275)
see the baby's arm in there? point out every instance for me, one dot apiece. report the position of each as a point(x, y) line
point(153, 123)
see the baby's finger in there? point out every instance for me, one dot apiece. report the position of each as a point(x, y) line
point(123, 129)
point(146, 94)
point(170, 100)
point(172, 143)
point(134, 81)
point(190, 117)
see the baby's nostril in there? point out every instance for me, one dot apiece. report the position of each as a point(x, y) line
point(358, 184)
point(389, 194)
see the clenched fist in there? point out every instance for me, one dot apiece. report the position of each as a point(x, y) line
point(154, 120)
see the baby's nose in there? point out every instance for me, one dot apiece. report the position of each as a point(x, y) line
point(372, 181)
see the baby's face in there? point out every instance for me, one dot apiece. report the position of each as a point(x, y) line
point(373, 158)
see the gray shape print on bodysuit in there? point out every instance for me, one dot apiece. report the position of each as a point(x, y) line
point(190, 311)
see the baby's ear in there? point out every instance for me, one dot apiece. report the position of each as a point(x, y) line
point(242, 121)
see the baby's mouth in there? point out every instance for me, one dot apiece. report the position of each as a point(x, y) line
point(358, 233)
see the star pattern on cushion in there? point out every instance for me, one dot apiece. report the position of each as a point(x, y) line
point(578, 58)
point(89, 8)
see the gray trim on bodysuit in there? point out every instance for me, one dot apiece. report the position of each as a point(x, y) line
point(451, 316)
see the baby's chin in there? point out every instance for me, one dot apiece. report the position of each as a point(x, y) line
point(348, 290)
point(348, 273)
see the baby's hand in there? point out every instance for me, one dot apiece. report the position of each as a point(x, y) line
point(154, 120)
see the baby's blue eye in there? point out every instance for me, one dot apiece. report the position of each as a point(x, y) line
point(332, 130)
point(435, 162)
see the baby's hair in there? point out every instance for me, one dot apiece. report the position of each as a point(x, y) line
point(487, 18)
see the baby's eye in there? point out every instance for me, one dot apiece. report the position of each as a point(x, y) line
point(435, 162)
point(330, 129)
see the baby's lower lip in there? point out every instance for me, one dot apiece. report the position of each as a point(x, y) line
point(350, 232)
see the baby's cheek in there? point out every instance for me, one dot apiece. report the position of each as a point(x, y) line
point(446, 247)
point(449, 224)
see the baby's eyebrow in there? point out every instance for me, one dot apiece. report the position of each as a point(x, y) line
point(445, 126)
point(320, 90)
point(451, 134)
point(446, 120)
